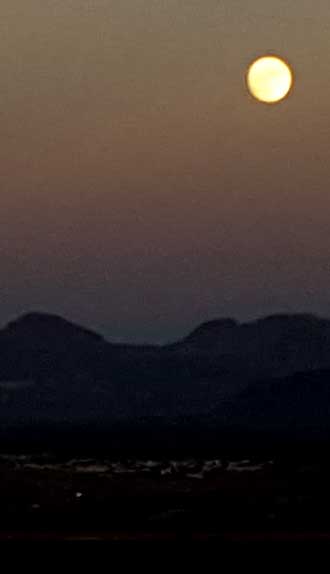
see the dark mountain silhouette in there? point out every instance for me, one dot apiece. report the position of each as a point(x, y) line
point(211, 335)
point(275, 345)
point(44, 329)
point(297, 404)
point(224, 372)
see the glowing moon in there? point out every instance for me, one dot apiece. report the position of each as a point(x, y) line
point(269, 79)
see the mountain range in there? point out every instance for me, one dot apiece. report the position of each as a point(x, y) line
point(271, 373)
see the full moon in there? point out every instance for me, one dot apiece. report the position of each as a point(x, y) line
point(269, 79)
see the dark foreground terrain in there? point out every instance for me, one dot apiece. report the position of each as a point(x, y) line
point(46, 497)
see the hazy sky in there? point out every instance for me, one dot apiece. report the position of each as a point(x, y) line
point(142, 189)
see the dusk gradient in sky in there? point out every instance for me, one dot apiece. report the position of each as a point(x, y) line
point(143, 190)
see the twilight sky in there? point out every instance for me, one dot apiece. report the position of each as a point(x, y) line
point(142, 190)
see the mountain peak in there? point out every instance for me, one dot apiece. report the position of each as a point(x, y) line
point(46, 326)
point(290, 318)
point(209, 332)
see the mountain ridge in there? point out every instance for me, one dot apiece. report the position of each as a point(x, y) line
point(56, 371)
